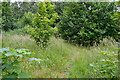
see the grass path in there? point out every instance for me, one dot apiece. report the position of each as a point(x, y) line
point(60, 59)
point(68, 66)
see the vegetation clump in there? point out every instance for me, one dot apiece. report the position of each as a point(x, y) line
point(41, 30)
point(108, 66)
point(11, 62)
point(87, 23)
point(35, 25)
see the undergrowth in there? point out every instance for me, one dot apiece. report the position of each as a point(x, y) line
point(60, 59)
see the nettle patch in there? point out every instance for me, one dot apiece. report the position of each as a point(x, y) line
point(108, 66)
point(11, 62)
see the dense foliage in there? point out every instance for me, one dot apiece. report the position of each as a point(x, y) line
point(26, 19)
point(83, 23)
point(23, 13)
point(0, 16)
point(87, 23)
point(13, 14)
point(44, 18)
point(108, 66)
point(7, 17)
point(11, 62)
point(118, 15)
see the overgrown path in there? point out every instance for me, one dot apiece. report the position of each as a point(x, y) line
point(68, 66)
point(60, 59)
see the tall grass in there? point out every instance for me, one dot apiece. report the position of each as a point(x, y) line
point(59, 59)
point(0, 40)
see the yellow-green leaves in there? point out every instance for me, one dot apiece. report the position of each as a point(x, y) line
point(44, 18)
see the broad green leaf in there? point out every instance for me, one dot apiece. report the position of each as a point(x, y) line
point(23, 51)
point(27, 53)
point(10, 76)
point(91, 65)
point(10, 54)
point(11, 68)
point(18, 55)
point(34, 59)
point(4, 49)
point(23, 75)
point(105, 60)
point(13, 54)
point(103, 52)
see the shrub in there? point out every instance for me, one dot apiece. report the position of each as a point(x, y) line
point(44, 18)
point(107, 67)
point(7, 17)
point(25, 20)
point(20, 31)
point(11, 62)
point(87, 23)
point(55, 32)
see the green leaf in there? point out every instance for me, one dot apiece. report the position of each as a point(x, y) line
point(106, 60)
point(34, 59)
point(4, 49)
point(18, 55)
point(103, 52)
point(7, 66)
point(20, 51)
point(23, 51)
point(13, 54)
point(16, 69)
point(23, 75)
point(11, 68)
point(27, 53)
point(10, 76)
point(10, 54)
point(92, 65)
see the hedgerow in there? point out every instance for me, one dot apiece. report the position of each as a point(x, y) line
point(87, 23)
